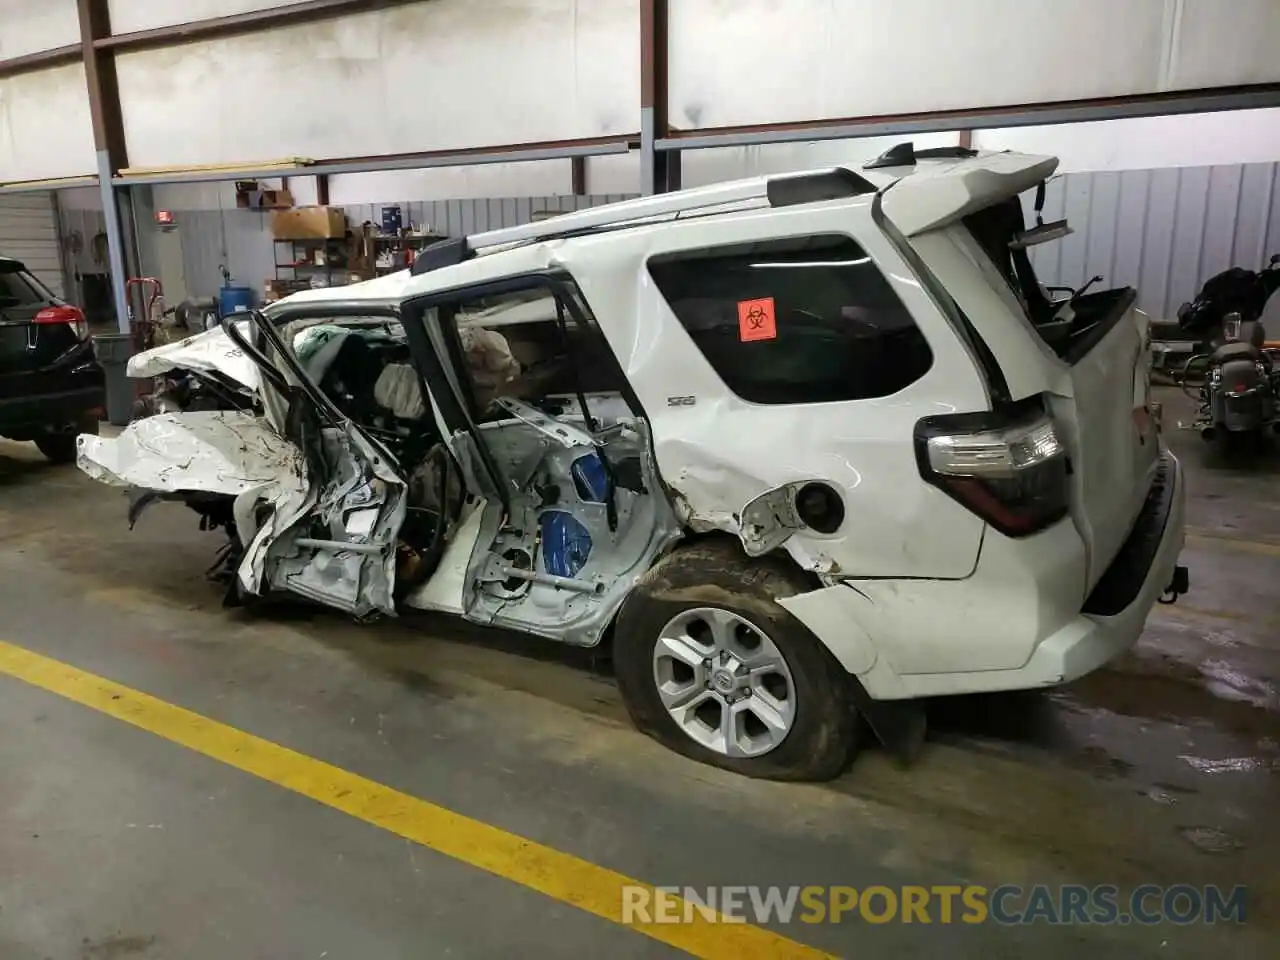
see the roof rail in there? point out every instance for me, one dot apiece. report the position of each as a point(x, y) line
point(779, 191)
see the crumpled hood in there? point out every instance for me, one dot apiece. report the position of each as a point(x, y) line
point(213, 451)
point(209, 352)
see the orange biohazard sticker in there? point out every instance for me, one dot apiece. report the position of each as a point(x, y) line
point(757, 320)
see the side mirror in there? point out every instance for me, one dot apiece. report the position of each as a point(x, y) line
point(1275, 258)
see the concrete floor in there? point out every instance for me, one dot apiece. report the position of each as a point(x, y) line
point(1161, 768)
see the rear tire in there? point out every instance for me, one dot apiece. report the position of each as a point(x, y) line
point(61, 447)
point(712, 579)
point(58, 447)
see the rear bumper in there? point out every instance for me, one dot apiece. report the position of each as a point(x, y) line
point(1116, 612)
point(20, 415)
point(889, 634)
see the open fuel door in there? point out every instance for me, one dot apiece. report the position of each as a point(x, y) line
point(769, 520)
point(339, 547)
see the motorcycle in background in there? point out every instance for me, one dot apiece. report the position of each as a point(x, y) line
point(1240, 392)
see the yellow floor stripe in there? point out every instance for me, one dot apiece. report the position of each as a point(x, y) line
point(558, 875)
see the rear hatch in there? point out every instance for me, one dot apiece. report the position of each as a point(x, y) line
point(1097, 389)
point(1114, 446)
point(38, 333)
point(1087, 355)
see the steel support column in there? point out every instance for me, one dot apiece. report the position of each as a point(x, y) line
point(115, 241)
point(108, 137)
point(659, 170)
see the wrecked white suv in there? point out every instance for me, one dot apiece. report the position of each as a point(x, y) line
point(805, 449)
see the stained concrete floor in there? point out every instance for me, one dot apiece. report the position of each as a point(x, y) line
point(1162, 768)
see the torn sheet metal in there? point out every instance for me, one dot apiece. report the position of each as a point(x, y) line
point(213, 451)
point(209, 352)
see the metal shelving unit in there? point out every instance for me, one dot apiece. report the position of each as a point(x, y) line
point(301, 258)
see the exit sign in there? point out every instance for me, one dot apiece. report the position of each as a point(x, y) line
point(164, 217)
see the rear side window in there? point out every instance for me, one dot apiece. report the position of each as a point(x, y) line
point(20, 289)
point(804, 320)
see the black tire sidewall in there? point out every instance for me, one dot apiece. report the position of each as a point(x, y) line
point(823, 736)
point(58, 447)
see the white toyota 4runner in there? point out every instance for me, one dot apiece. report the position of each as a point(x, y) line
point(804, 449)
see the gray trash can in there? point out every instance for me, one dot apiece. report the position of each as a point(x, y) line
point(113, 351)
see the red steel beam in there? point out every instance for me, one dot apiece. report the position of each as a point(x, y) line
point(100, 78)
point(41, 60)
point(659, 172)
point(1020, 114)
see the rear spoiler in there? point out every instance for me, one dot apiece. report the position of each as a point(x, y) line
point(923, 201)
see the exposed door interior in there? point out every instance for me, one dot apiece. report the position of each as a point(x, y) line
point(540, 424)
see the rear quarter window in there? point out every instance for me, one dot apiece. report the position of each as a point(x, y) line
point(806, 320)
point(20, 289)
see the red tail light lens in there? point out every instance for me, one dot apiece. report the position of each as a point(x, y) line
point(71, 315)
point(1010, 469)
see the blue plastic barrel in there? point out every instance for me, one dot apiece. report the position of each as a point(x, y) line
point(234, 300)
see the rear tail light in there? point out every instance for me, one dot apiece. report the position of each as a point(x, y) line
point(64, 314)
point(1009, 469)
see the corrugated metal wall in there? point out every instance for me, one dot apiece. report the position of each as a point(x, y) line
point(241, 239)
point(1163, 232)
point(29, 232)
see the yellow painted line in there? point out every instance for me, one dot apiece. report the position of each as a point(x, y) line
point(558, 875)
point(1213, 538)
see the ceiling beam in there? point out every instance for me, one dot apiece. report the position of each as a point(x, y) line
point(215, 28)
point(1210, 100)
point(41, 60)
point(473, 156)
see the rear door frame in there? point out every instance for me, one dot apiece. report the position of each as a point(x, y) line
point(428, 336)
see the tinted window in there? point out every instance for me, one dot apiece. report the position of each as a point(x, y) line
point(19, 289)
point(808, 320)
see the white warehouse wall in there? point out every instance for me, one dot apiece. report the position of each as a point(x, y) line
point(45, 130)
point(30, 26)
point(130, 15)
point(432, 76)
point(754, 61)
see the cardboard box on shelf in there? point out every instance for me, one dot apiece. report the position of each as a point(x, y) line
point(309, 223)
point(274, 290)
